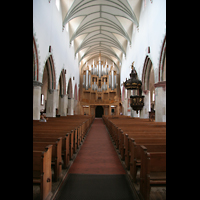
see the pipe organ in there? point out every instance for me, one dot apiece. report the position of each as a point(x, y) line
point(99, 78)
point(99, 86)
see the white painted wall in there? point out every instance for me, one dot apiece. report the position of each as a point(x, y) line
point(47, 30)
point(152, 30)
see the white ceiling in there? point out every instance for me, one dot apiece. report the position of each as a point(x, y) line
point(100, 27)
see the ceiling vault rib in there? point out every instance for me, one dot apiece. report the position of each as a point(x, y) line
point(111, 40)
point(79, 32)
point(100, 27)
point(99, 50)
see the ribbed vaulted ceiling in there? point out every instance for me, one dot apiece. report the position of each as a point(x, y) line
point(100, 27)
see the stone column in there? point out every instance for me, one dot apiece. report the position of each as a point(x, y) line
point(125, 106)
point(36, 99)
point(147, 106)
point(71, 106)
point(160, 101)
point(75, 106)
point(63, 105)
point(51, 103)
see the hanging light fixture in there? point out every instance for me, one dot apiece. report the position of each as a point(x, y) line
point(136, 100)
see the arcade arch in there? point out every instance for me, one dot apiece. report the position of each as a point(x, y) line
point(35, 61)
point(48, 91)
point(62, 98)
point(70, 108)
point(162, 62)
point(36, 84)
point(148, 82)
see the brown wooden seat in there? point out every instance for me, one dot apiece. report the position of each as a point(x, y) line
point(135, 138)
point(42, 170)
point(56, 140)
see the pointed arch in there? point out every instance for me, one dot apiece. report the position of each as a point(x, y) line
point(79, 94)
point(148, 82)
point(51, 73)
point(162, 62)
point(35, 61)
point(69, 89)
point(62, 82)
point(146, 73)
point(75, 92)
point(123, 93)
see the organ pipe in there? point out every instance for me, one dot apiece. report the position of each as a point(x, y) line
point(83, 81)
point(112, 77)
point(109, 81)
point(89, 81)
point(86, 80)
point(92, 70)
point(99, 69)
point(115, 81)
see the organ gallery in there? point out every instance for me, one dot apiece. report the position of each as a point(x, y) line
point(100, 89)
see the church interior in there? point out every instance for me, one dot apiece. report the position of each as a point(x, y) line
point(99, 82)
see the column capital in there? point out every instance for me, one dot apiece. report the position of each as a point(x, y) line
point(37, 83)
point(161, 84)
point(63, 95)
point(51, 91)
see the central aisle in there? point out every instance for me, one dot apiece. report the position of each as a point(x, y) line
point(97, 172)
point(97, 154)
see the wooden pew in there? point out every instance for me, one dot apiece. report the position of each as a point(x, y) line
point(42, 171)
point(65, 144)
point(153, 171)
point(64, 134)
point(141, 138)
point(118, 126)
point(136, 155)
point(143, 128)
point(118, 135)
point(56, 160)
point(79, 124)
point(60, 131)
point(129, 134)
point(71, 129)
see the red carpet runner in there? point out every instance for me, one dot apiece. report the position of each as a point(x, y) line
point(97, 154)
point(97, 173)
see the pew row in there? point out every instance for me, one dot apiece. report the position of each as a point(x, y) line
point(63, 136)
point(42, 170)
point(56, 160)
point(153, 171)
point(129, 136)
